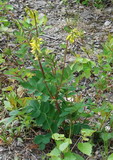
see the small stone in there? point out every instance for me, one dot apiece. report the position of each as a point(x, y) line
point(81, 7)
point(107, 23)
point(63, 11)
point(109, 10)
point(20, 142)
point(107, 128)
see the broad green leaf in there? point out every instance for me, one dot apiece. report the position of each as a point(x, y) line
point(78, 157)
point(55, 152)
point(38, 139)
point(42, 146)
point(40, 85)
point(87, 132)
point(78, 126)
point(7, 105)
point(37, 93)
point(14, 113)
point(42, 139)
point(85, 148)
point(106, 136)
point(45, 107)
point(87, 72)
point(110, 157)
point(67, 29)
point(58, 137)
point(69, 156)
point(9, 7)
point(35, 113)
point(72, 156)
point(79, 67)
point(63, 146)
point(40, 120)
point(45, 98)
point(8, 120)
point(46, 140)
point(35, 108)
point(28, 86)
point(55, 158)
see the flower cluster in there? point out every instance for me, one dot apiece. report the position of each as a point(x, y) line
point(74, 34)
point(35, 46)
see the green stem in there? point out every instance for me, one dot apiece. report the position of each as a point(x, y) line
point(42, 70)
point(43, 73)
point(36, 25)
point(65, 53)
point(70, 129)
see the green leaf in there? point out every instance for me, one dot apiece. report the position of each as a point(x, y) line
point(63, 45)
point(64, 145)
point(38, 139)
point(46, 138)
point(40, 120)
point(58, 137)
point(72, 156)
point(87, 72)
point(28, 86)
point(67, 29)
point(40, 85)
point(78, 157)
point(55, 158)
point(87, 132)
point(14, 113)
point(22, 51)
point(43, 20)
point(36, 93)
point(110, 157)
point(45, 98)
point(9, 7)
point(7, 105)
point(78, 126)
point(42, 146)
point(54, 126)
point(85, 148)
point(55, 152)
point(106, 136)
point(35, 108)
point(8, 120)
point(79, 67)
point(45, 107)
point(69, 156)
point(1, 59)
point(42, 139)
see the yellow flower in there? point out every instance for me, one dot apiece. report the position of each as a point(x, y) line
point(35, 46)
point(74, 35)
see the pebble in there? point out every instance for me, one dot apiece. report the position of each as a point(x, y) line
point(107, 23)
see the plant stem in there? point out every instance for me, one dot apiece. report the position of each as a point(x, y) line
point(42, 70)
point(43, 73)
point(70, 128)
point(36, 25)
point(65, 53)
